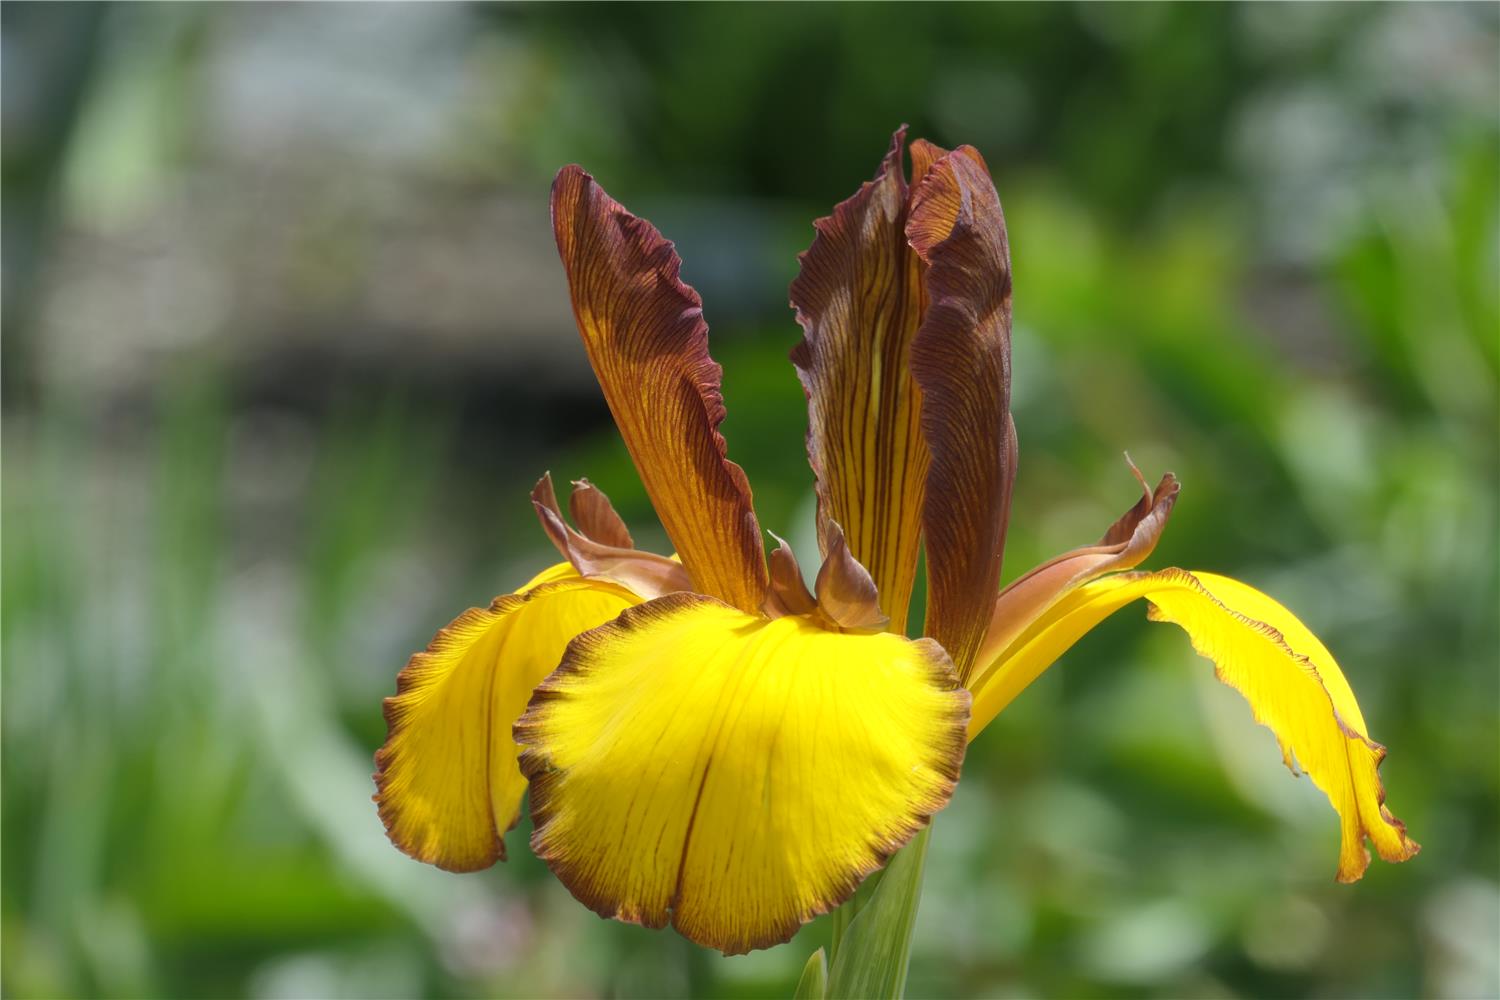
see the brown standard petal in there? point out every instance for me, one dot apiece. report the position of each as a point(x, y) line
point(859, 297)
point(644, 332)
point(961, 360)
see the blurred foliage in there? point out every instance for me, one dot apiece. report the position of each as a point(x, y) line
point(1257, 245)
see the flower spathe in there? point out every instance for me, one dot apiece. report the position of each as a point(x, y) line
point(710, 743)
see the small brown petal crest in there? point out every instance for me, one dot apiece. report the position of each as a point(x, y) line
point(647, 574)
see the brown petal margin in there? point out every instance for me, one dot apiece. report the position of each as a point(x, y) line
point(1124, 546)
point(961, 360)
point(859, 298)
point(647, 574)
point(644, 332)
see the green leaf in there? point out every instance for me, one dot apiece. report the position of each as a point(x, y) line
point(844, 915)
point(814, 981)
point(873, 955)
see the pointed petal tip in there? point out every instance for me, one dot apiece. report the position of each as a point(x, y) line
point(789, 594)
point(596, 517)
point(846, 593)
point(601, 546)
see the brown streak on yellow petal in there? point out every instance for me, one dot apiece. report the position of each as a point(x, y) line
point(646, 338)
point(961, 360)
point(732, 775)
point(1290, 679)
point(1360, 803)
point(859, 298)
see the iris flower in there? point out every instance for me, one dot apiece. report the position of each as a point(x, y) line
point(710, 743)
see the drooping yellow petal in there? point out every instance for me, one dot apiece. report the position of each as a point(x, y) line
point(733, 775)
point(1263, 651)
point(447, 780)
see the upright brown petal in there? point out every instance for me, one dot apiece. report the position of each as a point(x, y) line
point(859, 298)
point(961, 360)
point(646, 338)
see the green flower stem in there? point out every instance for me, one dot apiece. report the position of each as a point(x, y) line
point(872, 943)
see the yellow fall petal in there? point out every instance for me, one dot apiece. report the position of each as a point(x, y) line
point(732, 775)
point(448, 783)
point(1262, 650)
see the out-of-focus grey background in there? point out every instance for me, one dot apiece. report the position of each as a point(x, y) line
point(286, 343)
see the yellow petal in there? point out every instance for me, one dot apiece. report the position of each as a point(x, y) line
point(1260, 649)
point(447, 779)
point(734, 775)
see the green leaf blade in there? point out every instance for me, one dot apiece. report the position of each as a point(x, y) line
point(875, 950)
point(814, 982)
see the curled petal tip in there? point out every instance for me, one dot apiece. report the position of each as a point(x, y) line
point(1127, 543)
point(602, 548)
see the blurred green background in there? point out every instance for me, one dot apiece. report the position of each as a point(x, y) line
point(286, 343)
